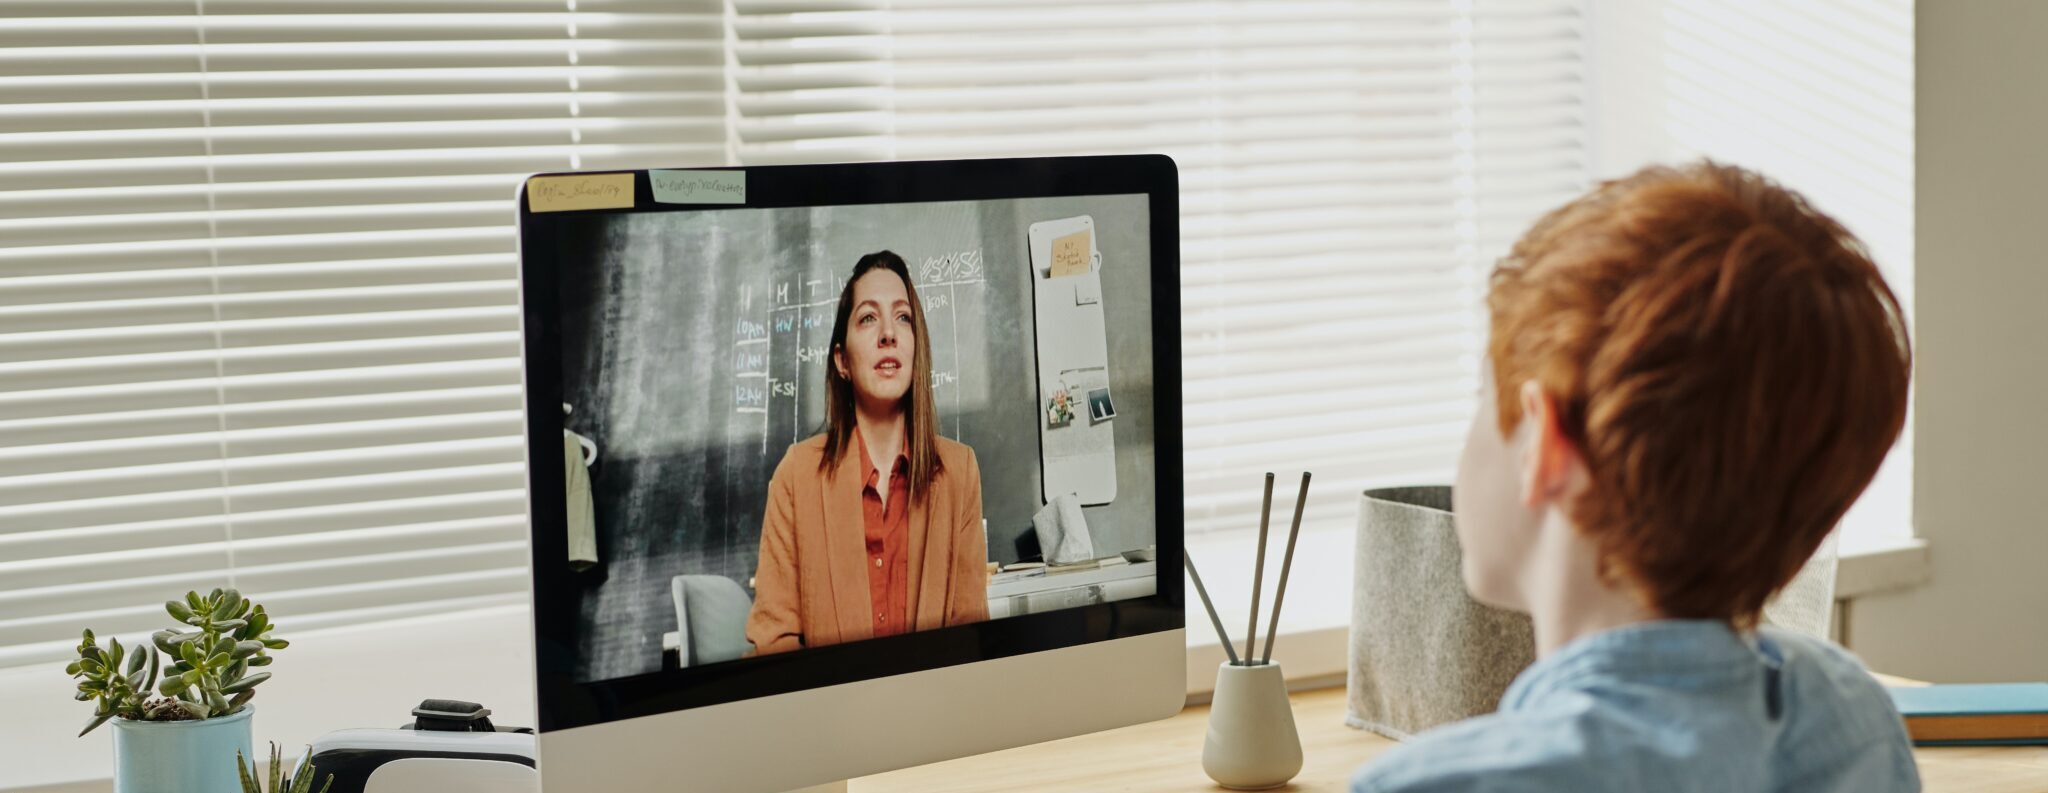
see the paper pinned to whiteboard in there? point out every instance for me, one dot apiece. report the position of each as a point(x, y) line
point(1064, 248)
point(1071, 254)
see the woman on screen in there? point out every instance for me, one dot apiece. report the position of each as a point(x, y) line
point(873, 527)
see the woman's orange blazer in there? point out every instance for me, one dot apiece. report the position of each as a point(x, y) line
point(811, 585)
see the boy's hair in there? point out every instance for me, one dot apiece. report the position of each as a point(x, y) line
point(1728, 361)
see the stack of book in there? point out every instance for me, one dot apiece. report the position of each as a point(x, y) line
point(1017, 572)
point(1022, 570)
point(1091, 564)
point(1975, 715)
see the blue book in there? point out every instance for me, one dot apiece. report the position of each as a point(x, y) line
point(1975, 715)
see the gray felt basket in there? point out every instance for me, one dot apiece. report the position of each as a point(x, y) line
point(1423, 652)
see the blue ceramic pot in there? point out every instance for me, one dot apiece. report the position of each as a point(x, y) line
point(180, 756)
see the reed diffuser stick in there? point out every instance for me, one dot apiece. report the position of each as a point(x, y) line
point(1286, 565)
point(1251, 634)
point(1211, 608)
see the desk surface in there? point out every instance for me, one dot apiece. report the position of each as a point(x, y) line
point(1167, 756)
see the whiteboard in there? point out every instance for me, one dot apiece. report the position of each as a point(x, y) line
point(1079, 447)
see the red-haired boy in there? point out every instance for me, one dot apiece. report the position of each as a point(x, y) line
point(1692, 374)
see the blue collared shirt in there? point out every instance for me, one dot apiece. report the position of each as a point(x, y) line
point(1673, 706)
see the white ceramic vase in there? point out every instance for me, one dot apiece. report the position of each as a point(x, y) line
point(1252, 743)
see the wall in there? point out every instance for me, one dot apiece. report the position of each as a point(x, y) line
point(1982, 169)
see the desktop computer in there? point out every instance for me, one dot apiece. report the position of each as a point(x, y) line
point(836, 469)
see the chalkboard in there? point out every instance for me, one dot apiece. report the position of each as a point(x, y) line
point(694, 346)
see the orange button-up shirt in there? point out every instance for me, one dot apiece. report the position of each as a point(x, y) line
point(888, 536)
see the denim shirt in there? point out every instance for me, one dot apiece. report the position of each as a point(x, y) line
point(1672, 707)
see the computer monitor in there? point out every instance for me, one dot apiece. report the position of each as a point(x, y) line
point(836, 469)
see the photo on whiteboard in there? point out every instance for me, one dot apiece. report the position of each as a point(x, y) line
point(1100, 409)
point(1059, 409)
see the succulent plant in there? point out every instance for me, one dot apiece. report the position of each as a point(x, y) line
point(224, 636)
point(209, 674)
point(117, 679)
point(282, 780)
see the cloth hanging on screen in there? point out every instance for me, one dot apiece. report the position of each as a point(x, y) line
point(1063, 532)
point(582, 515)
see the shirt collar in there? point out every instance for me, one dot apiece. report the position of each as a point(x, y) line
point(1667, 653)
point(867, 463)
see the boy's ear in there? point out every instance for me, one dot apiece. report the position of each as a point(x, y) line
point(1552, 470)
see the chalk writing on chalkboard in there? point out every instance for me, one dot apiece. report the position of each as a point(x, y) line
point(956, 267)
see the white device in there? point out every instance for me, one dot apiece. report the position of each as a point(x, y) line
point(696, 339)
point(451, 747)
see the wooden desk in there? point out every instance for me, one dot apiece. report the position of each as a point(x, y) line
point(1167, 756)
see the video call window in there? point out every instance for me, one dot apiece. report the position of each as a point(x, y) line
point(789, 428)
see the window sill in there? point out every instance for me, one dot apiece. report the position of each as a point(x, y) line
point(1315, 620)
point(1881, 567)
point(1312, 649)
point(328, 680)
point(1308, 659)
point(1314, 643)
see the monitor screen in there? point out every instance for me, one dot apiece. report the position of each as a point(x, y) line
point(815, 425)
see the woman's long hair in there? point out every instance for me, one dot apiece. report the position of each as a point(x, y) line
point(921, 414)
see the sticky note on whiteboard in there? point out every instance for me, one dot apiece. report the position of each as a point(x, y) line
point(1070, 254)
point(580, 191)
point(699, 187)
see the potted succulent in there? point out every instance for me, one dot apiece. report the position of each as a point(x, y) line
point(282, 779)
point(188, 736)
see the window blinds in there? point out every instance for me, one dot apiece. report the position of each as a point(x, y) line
point(1348, 168)
point(258, 319)
point(1819, 95)
point(258, 308)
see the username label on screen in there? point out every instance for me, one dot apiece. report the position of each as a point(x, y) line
point(699, 187)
